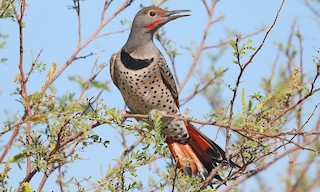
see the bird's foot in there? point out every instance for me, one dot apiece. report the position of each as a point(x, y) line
point(154, 113)
point(122, 114)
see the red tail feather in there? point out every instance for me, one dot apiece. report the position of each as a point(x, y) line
point(199, 156)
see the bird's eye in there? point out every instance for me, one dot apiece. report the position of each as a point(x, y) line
point(152, 13)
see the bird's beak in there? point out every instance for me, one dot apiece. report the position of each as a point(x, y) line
point(165, 18)
point(171, 15)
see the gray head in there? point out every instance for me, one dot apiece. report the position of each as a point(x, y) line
point(146, 22)
point(150, 19)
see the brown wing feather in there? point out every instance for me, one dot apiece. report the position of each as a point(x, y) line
point(112, 66)
point(168, 79)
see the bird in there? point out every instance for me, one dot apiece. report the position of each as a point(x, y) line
point(140, 72)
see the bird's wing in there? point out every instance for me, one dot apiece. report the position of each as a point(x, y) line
point(168, 79)
point(113, 60)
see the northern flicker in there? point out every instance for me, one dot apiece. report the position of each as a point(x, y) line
point(146, 83)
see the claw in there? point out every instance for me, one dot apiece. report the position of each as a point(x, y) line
point(121, 113)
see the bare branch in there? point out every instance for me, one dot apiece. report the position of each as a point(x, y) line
point(161, 3)
point(202, 43)
point(265, 37)
point(89, 40)
point(84, 56)
point(210, 177)
point(312, 8)
point(266, 134)
point(111, 33)
point(33, 65)
point(263, 167)
point(77, 8)
point(228, 42)
point(280, 114)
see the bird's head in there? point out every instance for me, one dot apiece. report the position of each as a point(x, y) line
point(150, 19)
point(146, 22)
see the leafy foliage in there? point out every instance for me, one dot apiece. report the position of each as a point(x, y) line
point(56, 127)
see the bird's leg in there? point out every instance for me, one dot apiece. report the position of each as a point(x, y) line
point(154, 113)
point(122, 113)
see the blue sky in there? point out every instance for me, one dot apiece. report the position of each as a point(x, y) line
point(52, 27)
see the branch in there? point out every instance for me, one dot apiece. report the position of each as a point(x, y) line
point(91, 79)
point(112, 33)
point(33, 65)
point(185, 100)
point(228, 42)
point(10, 3)
point(127, 151)
point(23, 82)
point(312, 8)
point(197, 91)
point(77, 8)
point(266, 35)
point(234, 90)
point(48, 172)
point(9, 144)
point(278, 116)
point(242, 68)
point(107, 3)
point(249, 174)
point(271, 135)
point(210, 177)
point(160, 3)
point(203, 41)
point(103, 23)
point(84, 56)
point(300, 179)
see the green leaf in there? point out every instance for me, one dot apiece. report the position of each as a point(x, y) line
point(233, 45)
point(249, 105)
point(243, 101)
point(50, 74)
point(114, 114)
point(316, 60)
point(25, 187)
point(18, 157)
point(39, 118)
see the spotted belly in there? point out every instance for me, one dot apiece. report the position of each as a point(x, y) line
point(144, 90)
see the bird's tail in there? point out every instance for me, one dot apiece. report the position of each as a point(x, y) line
point(199, 156)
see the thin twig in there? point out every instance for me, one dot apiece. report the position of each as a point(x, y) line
point(197, 91)
point(266, 134)
point(210, 177)
point(107, 3)
point(202, 43)
point(23, 82)
point(242, 68)
point(91, 79)
point(77, 8)
point(161, 3)
point(228, 42)
point(88, 41)
point(84, 56)
point(245, 176)
point(128, 150)
point(312, 8)
point(302, 174)
point(9, 144)
point(33, 64)
point(111, 33)
point(10, 3)
point(281, 113)
point(266, 35)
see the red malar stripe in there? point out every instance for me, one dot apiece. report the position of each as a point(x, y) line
point(153, 24)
